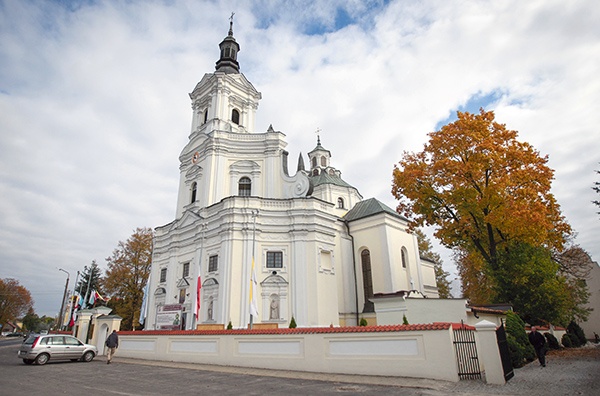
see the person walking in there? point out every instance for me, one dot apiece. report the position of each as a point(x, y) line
point(112, 343)
point(539, 344)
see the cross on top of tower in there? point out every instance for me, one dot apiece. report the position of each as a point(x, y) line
point(231, 24)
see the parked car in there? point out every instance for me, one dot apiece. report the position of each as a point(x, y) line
point(39, 349)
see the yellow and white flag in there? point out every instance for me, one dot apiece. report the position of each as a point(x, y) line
point(253, 291)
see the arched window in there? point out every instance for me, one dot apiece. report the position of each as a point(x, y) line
point(245, 187)
point(205, 116)
point(404, 256)
point(235, 116)
point(194, 188)
point(365, 258)
point(340, 203)
point(316, 172)
point(323, 161)
point(314, 162)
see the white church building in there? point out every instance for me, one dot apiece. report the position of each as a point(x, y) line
point(320, 251)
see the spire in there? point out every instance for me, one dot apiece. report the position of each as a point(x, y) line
point(228, 63)
point(300, 163)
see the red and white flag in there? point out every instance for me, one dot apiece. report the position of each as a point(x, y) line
point(197, 306)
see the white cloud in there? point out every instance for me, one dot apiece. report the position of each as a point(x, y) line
point(94, 107)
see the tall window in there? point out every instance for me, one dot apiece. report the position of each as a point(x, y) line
point(404, 257)
point(186, 270)
point(340, 203)
point(365, 258)
point(194, 188)
point(274, 259)
point(205, 116)
point(163, 275)
point(323, 161)
point(213, 263)
point(235, 116)
point(314, 162)
point(245, 187)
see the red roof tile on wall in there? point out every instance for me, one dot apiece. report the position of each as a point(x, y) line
point(305, 330)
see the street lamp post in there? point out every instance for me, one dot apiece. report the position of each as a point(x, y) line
point(62, 305)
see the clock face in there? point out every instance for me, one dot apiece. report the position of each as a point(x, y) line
point(195, 157)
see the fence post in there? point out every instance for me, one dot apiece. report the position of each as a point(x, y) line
point(489, 355)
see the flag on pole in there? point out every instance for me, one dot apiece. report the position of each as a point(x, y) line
point(95, 296)
point(198, 287)
point(75, 307)
point(253, 291)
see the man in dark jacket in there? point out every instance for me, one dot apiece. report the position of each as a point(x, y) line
point(112, 343)
point(539, 344)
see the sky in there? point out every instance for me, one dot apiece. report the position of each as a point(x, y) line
point(94, 105)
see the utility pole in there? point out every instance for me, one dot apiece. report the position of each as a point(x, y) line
point(62, 305)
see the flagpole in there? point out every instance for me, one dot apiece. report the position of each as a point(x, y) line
point(203, 227)
point(75, 302)
point(87, 290)
point(252, 291)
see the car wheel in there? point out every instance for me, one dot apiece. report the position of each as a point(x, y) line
point(88, 356)
point(42, 359)
point(27, 361)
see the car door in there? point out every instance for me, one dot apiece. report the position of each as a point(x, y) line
point(56, 346)
point(73, 348)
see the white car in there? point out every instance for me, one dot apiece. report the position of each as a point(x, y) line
point(39, 349)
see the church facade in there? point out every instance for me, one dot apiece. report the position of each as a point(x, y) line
point(265, 245)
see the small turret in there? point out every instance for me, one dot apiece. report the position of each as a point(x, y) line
point(228, 63)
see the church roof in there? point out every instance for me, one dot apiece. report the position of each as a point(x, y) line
point(370, 207)
point(325, 178)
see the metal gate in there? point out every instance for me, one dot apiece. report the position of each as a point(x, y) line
point(466, 353)
point(504, 353)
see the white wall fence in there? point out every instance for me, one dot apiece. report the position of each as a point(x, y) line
point(419, 351)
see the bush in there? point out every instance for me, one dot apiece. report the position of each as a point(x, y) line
point(516, 351)
point(566, 341)
point(574, 340)
point(574, 328)
point(293, 323)
point(404, 320)
point(521, 348)
point(552, 341)
point(363, 322)
point(229, 326)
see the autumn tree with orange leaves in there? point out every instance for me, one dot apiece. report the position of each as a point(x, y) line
point(484, 191)
point(15, 300)
point(127, 275)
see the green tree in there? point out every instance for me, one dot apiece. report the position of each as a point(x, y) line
point(15, 300)
point(441, 276)
point(528, 279)
point(31, 321)
point(127, 275)
point(90, 280)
